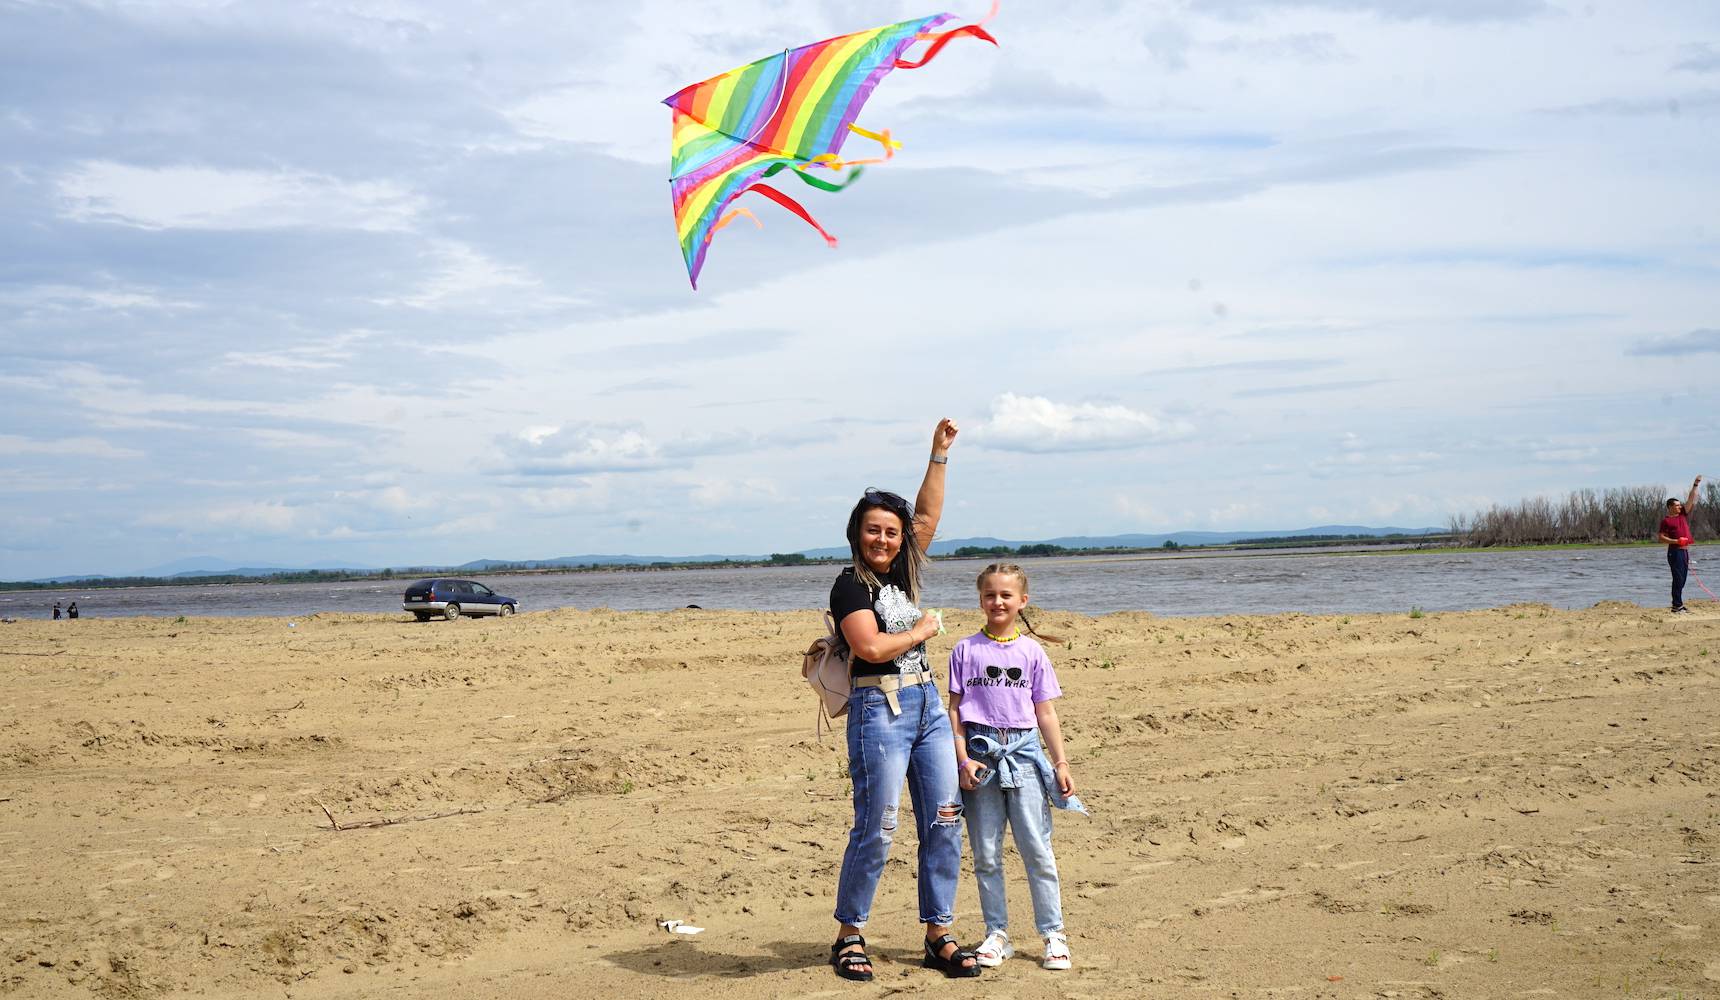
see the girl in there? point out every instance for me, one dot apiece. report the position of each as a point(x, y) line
point(1001, 688)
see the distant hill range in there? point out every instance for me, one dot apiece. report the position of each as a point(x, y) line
point(946, 546)
point(207, 566)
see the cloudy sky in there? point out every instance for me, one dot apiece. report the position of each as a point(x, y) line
point(396, 282)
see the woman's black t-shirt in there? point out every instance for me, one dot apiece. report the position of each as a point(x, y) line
point(894, 613)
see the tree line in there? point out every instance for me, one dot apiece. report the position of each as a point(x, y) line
point(1036, 549)
point(1622, 514)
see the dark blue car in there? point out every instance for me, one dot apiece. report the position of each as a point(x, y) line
point(452, 598)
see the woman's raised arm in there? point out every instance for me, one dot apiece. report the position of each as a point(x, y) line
point(929, 502)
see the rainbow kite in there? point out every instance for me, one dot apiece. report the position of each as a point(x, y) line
point(789, 112)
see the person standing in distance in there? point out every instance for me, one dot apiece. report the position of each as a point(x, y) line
point(1675, 534)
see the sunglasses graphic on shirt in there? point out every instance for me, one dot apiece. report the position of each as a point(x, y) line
point(995, 672)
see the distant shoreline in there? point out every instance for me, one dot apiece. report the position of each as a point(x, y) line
point(1393, 546)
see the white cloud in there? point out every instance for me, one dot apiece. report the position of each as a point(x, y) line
point(78, 297)
point(712, 493)
point(1700, 57)
point(194, 197)
point(592, 494)
point(1237, 514)
point(262, 517)
point(30, 481)
point(1036, 424)
point(286, 439)
point(1356, 459)
point(1134, 511)
point(302, 355)
point(570, 451)
point(463, 275)
point(1705, 341)
point(1451, 11)
point(83, 447)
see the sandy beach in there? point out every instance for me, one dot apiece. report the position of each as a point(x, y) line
point(1507, 803)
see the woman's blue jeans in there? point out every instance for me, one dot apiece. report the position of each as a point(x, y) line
point(883, 749)
point(1027, 811)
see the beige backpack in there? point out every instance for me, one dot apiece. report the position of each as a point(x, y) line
point(825, 667)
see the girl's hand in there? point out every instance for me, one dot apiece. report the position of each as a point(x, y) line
point(1065, 780)
point(944, 436)
point(968, 774)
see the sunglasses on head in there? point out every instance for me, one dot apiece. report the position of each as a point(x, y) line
point(993, 672)
point(888, 500)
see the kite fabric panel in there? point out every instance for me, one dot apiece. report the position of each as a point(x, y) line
point(788, 112)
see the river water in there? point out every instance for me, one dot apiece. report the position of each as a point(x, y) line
point(1326, 582)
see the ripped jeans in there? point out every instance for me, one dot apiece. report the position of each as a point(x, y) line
point(882, 749)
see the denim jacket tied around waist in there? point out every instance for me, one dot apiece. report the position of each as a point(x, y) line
point(1007, 762)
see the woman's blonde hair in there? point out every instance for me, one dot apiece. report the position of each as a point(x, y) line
point(1011, 569)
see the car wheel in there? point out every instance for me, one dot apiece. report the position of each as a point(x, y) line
point(507, 609)
point(451, 612)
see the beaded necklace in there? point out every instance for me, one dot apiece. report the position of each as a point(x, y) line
point(998, 638)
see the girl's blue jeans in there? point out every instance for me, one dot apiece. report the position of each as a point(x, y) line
point(883, 749)
point(991, 807)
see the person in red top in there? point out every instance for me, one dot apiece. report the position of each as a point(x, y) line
point(1675, 533)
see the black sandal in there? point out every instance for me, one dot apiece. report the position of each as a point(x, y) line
point(951, 967)
point(844, 962)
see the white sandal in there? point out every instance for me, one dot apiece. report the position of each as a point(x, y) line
point(1057, 957)
point(994, 950)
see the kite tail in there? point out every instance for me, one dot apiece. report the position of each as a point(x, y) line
point(835, 162)
point(943, 38)
point(781, 199)
point(819, 182)
point(732, 215)
point(793, 206)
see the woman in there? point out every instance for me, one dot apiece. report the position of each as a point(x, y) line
point(896, 722)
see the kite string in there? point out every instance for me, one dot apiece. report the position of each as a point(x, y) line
point(1699, 583)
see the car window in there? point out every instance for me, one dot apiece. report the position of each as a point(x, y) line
point(481, 590)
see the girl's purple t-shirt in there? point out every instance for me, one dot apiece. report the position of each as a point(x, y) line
point(1001, 681)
